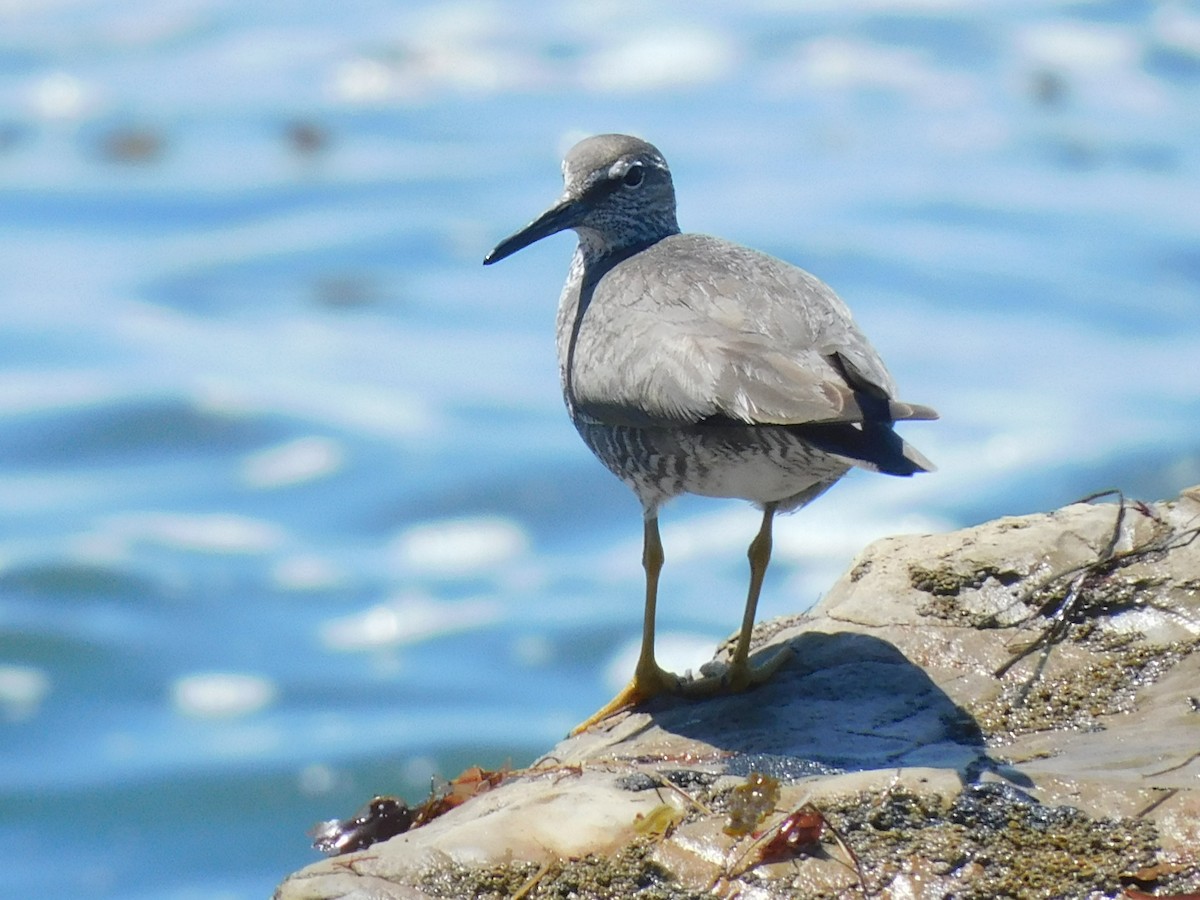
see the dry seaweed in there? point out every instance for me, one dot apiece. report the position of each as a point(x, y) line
point(1081, 594)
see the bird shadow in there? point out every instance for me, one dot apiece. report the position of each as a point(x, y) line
point(843, 702)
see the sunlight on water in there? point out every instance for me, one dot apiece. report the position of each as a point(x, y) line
point(290, 512)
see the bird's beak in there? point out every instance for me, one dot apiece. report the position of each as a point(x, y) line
point(562, 215)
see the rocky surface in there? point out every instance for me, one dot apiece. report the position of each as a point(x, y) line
point(1012, 710)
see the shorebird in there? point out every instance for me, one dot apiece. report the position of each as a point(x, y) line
point(691, 364)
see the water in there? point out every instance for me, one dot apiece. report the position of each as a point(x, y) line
point(290, 512)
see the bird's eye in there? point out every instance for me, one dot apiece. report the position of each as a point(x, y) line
point(634, 176)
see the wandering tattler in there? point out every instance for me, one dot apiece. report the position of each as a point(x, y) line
point(693, 365)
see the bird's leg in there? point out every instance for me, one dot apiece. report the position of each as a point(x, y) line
point(648, 679)
point(741, 674)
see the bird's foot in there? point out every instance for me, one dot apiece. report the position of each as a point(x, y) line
point(647, 682)
point(651, 681)
point(735, 678)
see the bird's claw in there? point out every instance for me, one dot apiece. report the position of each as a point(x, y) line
point(652, 681)
point(734, 677)
point(648, 682)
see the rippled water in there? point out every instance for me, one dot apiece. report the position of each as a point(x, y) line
point(290, 512)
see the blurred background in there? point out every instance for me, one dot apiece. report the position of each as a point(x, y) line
point(290, 511)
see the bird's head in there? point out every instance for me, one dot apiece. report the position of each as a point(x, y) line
point(617, 194)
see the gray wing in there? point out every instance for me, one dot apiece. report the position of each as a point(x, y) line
point(696, 327)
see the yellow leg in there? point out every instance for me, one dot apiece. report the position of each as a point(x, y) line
point(741, 674)
point(648, 679)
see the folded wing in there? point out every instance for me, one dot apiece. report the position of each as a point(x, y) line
point(755, 342)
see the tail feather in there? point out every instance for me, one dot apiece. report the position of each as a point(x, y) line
point(873, 445)
point(898, 411)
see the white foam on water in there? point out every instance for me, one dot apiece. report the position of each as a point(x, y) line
point(653, 59)
point(37, 390)
point(316, 779)
point(61, 95)
point(1078, 45)
point(835, 62)
point(22, 690)
point(222, 533)
point(408, 619)
point(1103, 62)
point(372, 409)
point(843, 531)
point(459, 547)
point(307, 572)
point(363, 80)
point(222, 694)
point(1178, 27)
point(298, 461)
point(452, 48)
point(532, 651)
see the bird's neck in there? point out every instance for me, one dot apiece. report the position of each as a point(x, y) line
point(606, 247)
point(596, 255)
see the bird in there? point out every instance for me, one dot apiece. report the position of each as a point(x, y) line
point(690, 364)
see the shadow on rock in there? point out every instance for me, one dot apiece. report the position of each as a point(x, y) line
point(844, 702)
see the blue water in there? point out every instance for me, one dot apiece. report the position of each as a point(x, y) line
point(290, 512)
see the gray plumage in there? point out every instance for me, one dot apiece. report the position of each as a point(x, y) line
point(691, 364)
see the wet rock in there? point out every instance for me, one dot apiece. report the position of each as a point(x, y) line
point(1008, 710)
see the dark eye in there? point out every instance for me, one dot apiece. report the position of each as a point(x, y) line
point(634, 176)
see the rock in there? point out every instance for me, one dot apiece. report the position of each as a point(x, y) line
point(1009, 710)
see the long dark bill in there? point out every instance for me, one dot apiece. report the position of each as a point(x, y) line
point(555, 219)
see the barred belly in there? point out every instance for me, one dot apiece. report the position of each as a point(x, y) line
point(763, 464)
